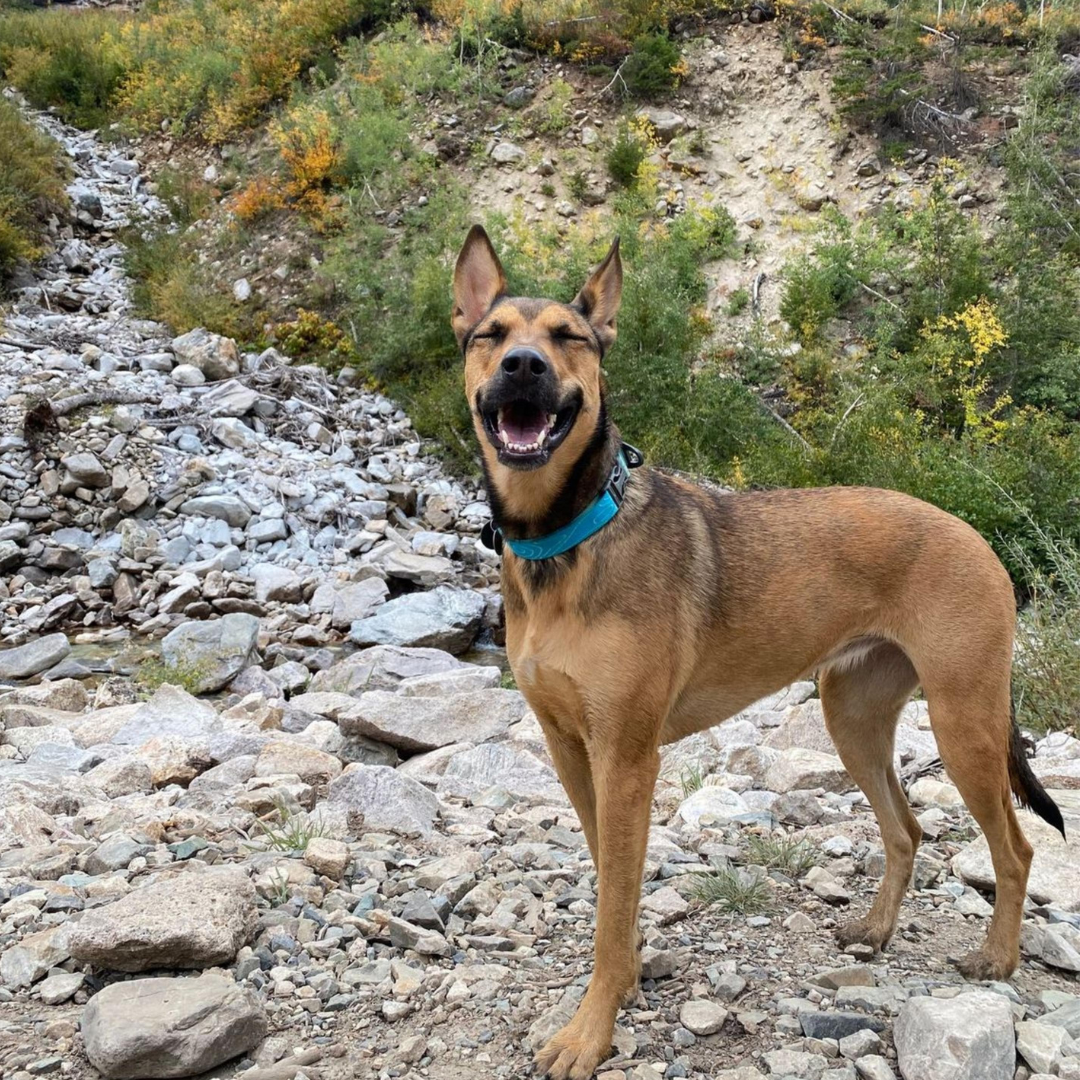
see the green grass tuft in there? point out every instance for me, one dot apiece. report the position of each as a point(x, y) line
point(733, 892)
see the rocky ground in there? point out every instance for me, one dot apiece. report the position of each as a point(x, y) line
point(330, 846)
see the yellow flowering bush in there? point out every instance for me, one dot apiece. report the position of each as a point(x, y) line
point(956, 347)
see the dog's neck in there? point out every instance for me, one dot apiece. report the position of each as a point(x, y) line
point(527, 505)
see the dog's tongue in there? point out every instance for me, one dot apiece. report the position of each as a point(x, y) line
point(522, 424)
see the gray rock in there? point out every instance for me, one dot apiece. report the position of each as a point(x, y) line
point(102, 573)
point(458, 681)
point(114, 854)
point(228, 508)
point(189, 920)
point(702, 1017)
point(417, 723)
point(213, 652)
point(378, 797)
point(1040, 1045)
point(267, 531)
point(215, 356)
point(33, 657)
point(968, 1037)
point(709, 803)
point(840, 1026)
point(28, 961)
point(797, 769)
point(85, 469)
point(57, 989)
point(666, 123)
point(171, 711)
point(1057, 945)
point(519, 97)
point(11, 555)
point(381, 668)
point(65, 756)
point(1055, 869)
point(443, 618)
point(794, 1063)
point(496, 764)
point(1066, 1016)
point(507, 153)
point(154, 1028)
point(276, 583)
point(358, 601)
point(874, 1067)
point(122, 776)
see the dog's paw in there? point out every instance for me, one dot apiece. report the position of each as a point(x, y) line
point(862, 932)
point(573, 1053)
point(981, 965)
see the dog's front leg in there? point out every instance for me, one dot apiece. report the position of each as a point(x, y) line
point(623, 779)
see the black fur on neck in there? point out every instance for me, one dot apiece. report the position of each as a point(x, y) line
point(585, 481)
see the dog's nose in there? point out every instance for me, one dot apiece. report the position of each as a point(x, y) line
point(524, 365)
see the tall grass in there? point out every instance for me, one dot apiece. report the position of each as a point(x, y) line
point(1046, 674)
point(31, 187)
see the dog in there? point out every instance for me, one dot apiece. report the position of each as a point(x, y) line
point(641, 608)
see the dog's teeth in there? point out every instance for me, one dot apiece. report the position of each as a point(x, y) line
point(505, 438)
point(541, 439)
point(552, 420)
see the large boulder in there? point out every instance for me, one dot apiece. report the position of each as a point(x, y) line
point(376, 797)
point(381, 667)
point(215, 356)
point(31, 959)
point(189, 920)
point(33, 657)
point(173, 712)
point(498, 765)
point(1055, 869)
point(156, 1028)
point(228, 508)
point(443, 618)
point(797, 770)
point(716, 804)
point(357, 601)
point(211, 654)
point(967, 1037)
point(416, 724)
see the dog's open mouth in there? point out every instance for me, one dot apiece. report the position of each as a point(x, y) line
point(524, 433)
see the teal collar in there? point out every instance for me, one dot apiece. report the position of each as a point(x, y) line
point(589, 522)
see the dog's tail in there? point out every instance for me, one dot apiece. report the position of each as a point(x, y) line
point(1025, 784)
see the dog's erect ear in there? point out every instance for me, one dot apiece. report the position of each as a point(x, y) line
point(599, 297)
point(478, 281)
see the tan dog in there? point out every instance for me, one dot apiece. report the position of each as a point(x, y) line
point(689, 605)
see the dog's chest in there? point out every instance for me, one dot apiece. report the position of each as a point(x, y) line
point(545, 655)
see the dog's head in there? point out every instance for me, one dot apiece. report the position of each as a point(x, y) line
point(532, 367)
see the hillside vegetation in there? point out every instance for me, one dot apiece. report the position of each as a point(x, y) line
point(925, 339)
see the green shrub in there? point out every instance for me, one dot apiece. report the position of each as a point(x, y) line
point(68, 60)
point(738, 302)
point(31, 187)
point(625, 156)
point(653, 68)
point(818, 285)
point(1046, 672)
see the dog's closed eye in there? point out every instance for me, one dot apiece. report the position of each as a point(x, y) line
point(493, 333)
point(566, 333)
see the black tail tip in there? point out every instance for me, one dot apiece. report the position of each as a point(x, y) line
point(1040, 803)
point(1026, 787)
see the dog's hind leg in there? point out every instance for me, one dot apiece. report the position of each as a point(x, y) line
point(862, 701)
point(972, 725)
